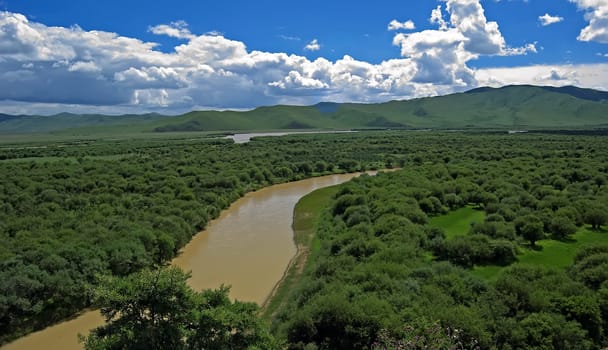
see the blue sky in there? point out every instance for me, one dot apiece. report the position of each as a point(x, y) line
point(169, 57)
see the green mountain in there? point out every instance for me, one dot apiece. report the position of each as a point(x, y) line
point(64, 121)
point(510, 107)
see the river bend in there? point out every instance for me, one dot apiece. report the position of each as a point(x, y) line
point(248, 247)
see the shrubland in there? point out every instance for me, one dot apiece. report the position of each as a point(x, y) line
point(383, 274)
point(387, 275)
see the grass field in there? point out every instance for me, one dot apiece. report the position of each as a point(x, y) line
point(553, 254)
point(549, 253)
point(458, 222)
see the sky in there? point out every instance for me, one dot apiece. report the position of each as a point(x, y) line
point(116, 57)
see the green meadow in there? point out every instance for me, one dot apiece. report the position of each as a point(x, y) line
point(458, 222)
point(550, 253)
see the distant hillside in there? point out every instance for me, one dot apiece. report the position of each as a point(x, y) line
point(64, 121)
point(510, 107)
point(507, 107)
point(582, 93)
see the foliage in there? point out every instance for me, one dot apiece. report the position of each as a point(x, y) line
point(157, 310)
point(72, 213)
point(433, 337)
point(376, 255)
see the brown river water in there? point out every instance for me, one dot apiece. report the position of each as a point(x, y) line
point(248, 247)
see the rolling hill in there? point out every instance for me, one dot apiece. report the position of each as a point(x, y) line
point(510, 107)
point(65, 121)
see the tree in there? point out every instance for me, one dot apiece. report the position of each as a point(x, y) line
point(531, 228)
point(561, 227)
point(156, 309)
point(146, 310)
point(165, 247)
point(433, 337)
point(596, 216)
point(320, 166)
point(222, 324)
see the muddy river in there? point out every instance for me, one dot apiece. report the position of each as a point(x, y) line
point(248, 247)
point(244, 138)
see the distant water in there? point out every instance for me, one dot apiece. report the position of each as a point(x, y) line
point(244, 138)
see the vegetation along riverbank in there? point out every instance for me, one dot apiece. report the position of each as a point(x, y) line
point(384, 269)
point(395, 261)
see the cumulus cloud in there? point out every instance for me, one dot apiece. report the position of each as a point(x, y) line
point(177, 29)
point(547, 19)
point(557, 75)
point(517, 51)
point(437, 18)
point(587, 75)
point(441, 56)
point(482, 36)
point(295, 81)
point(313, 46)
point(396, 25)
point(597, 15)
point(83, 66)
point(51, 69)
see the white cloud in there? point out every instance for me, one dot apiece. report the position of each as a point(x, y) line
point(524, 50)
point(295, 80)
point(83, 66)
point(437, 18)
point(482, 36)
point(177, 29)
point(587, 75)
point(290, 38)
point(51, 69)
point(396, 25)
point(557, 75)
point(441, 56)
point(597, 15)
point(313, 46)
point(547, 19)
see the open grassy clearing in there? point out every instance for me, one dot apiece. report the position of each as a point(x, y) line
point(549, 253)
point(458, 222)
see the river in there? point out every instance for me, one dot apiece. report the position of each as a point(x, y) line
point(244, 138)
point(248, 247)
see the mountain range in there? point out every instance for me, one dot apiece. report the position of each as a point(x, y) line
point(517, 107)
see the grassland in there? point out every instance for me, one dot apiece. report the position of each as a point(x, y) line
point(458, 222)
point(549, 253)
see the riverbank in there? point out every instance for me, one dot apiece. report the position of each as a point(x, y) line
point(305, 216)
point(248, 247)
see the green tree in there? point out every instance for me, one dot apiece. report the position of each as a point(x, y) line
point(596, 216)
point(146, 310)
point(561, 227)
point(531, 228)
point(222, 324)
point(156, 309)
